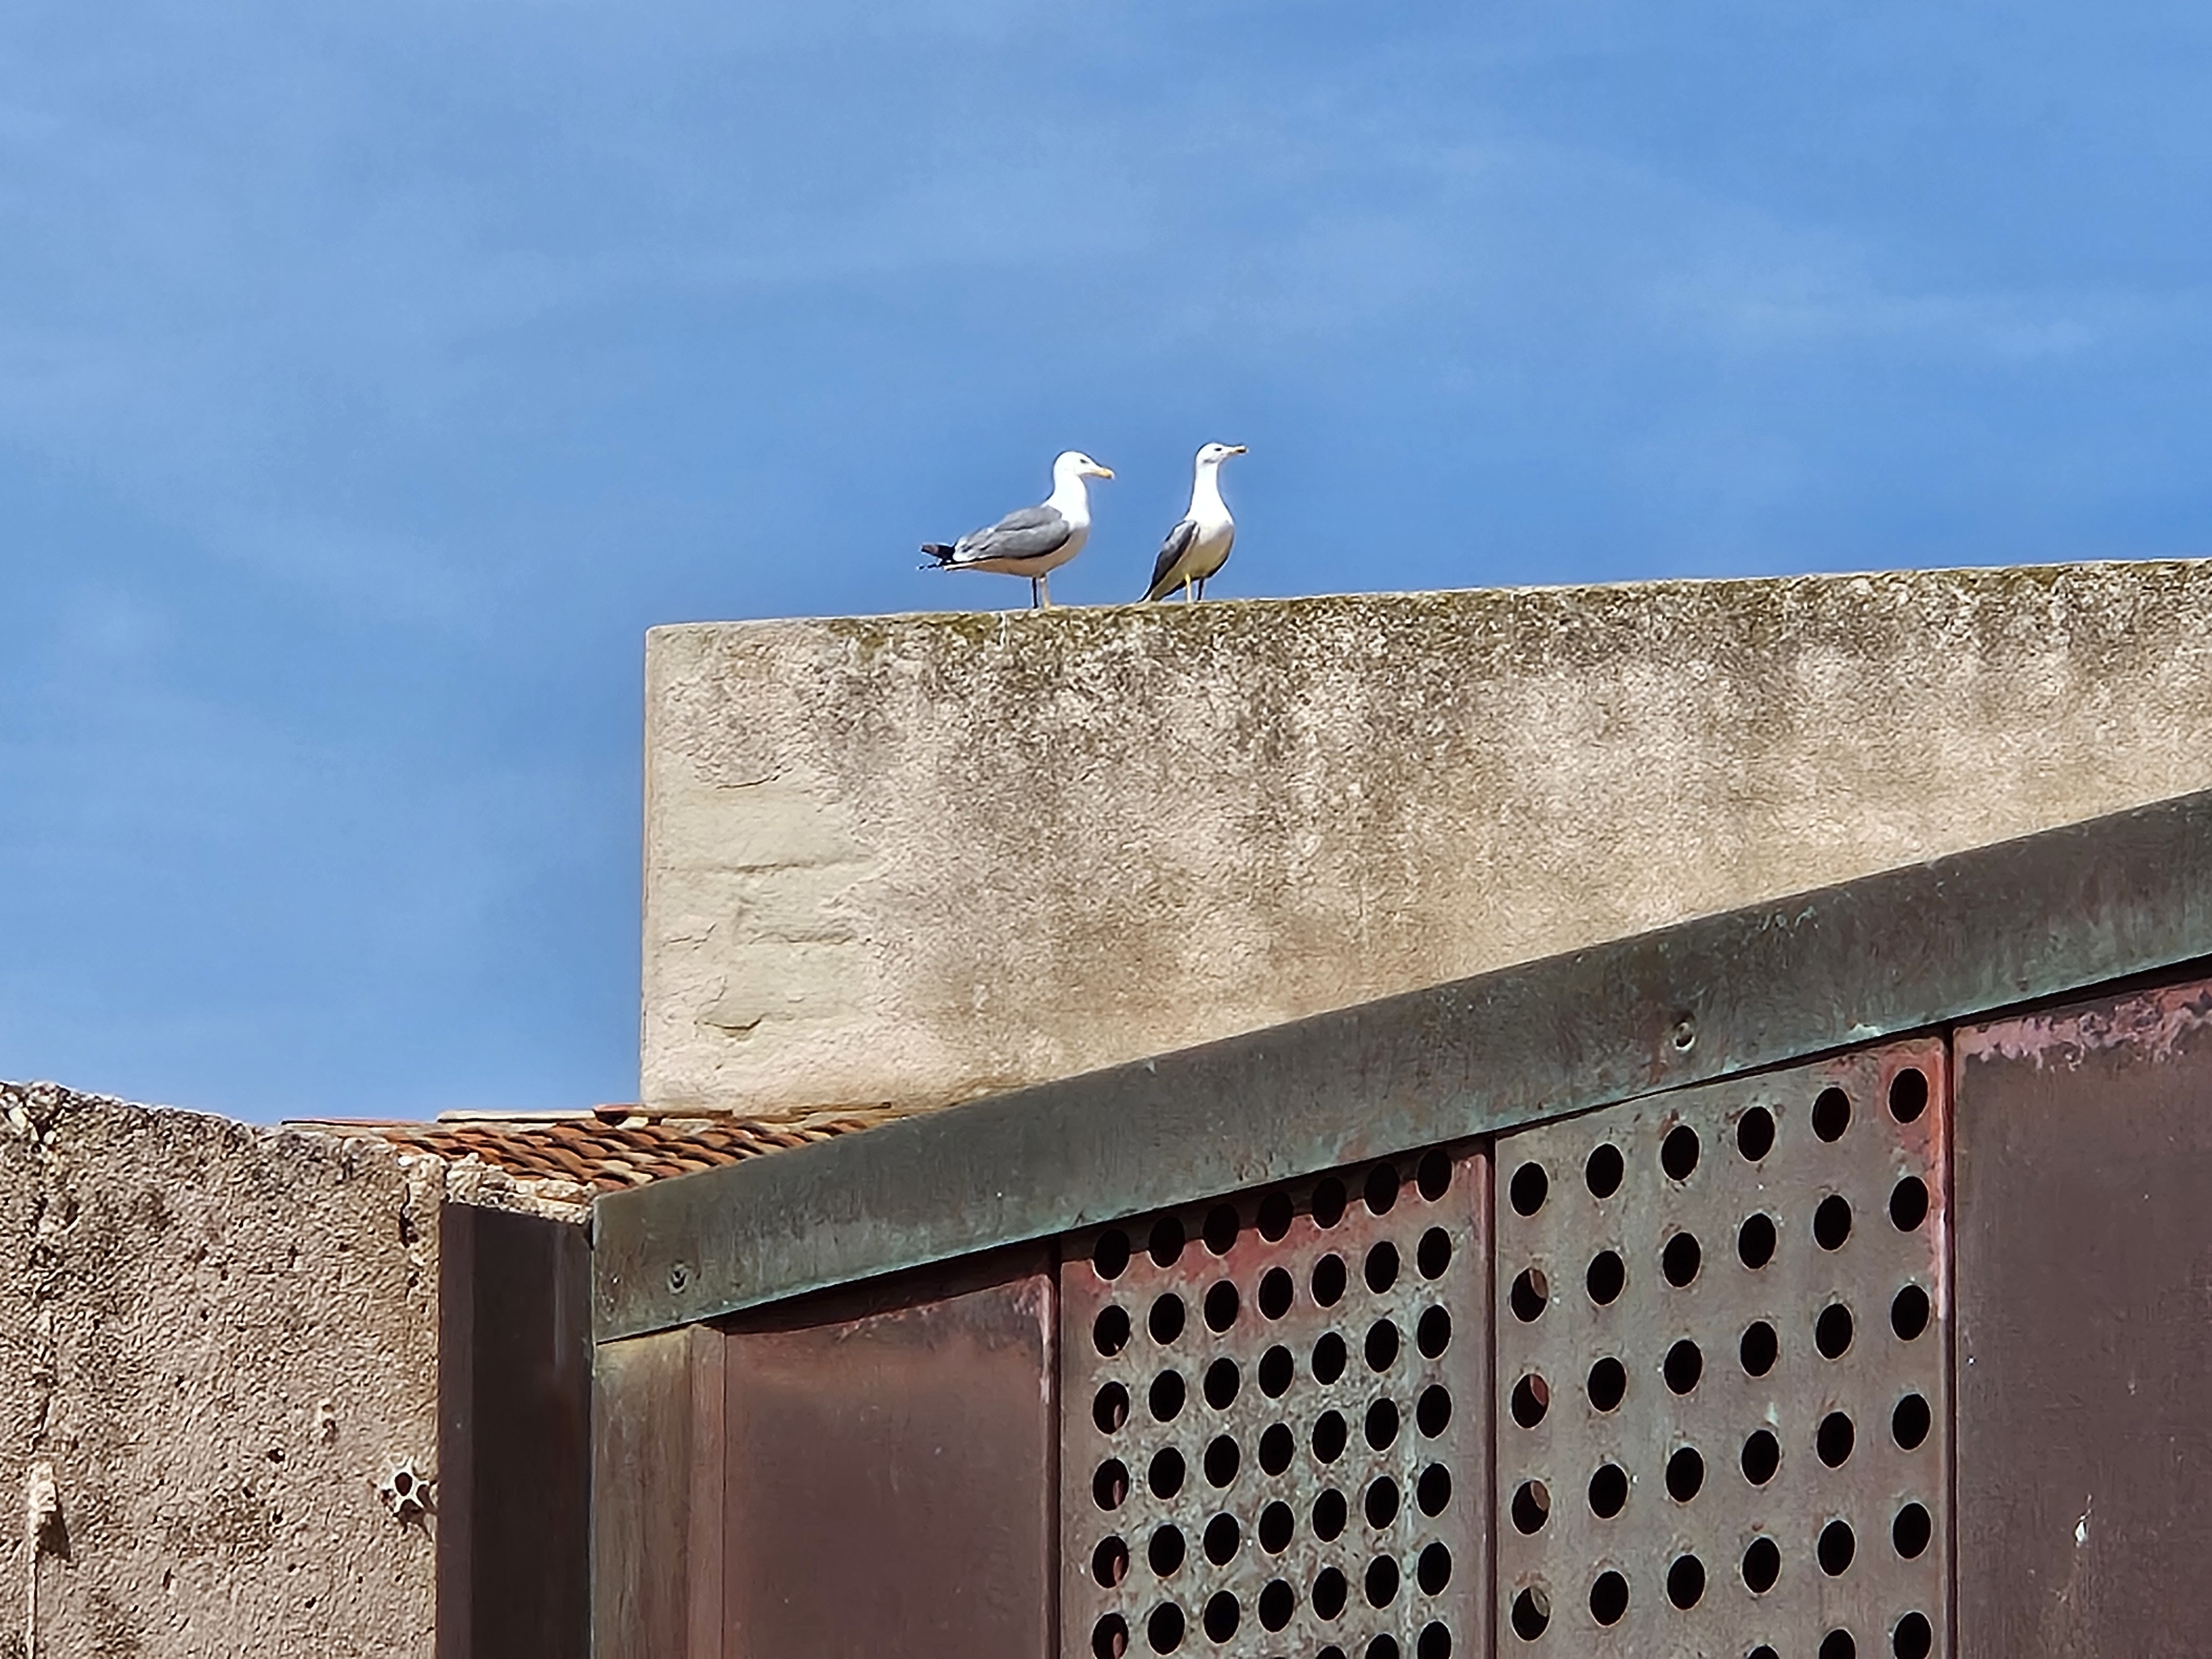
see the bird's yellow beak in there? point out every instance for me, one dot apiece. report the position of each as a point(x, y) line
point(1237, 449)
point(1103, 472)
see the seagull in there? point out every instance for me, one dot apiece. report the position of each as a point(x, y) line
point(1036, 541)
point(1198, 547)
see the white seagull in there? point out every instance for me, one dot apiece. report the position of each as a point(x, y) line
point(1198, 547)
point(1036, 541)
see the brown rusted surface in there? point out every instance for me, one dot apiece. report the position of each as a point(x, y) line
point(641, 1412)
point(1239, 1556)
point(1554, 1558)
point(2084, 1258)
point(891, 1471)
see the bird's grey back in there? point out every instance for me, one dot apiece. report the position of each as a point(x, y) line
point(1028, 533)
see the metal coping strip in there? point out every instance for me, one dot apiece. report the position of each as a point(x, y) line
point(2012, 922)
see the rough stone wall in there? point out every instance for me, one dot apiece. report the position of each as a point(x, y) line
point(920, 857)
point(223, 1339)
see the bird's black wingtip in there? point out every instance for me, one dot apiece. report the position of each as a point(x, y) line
point(938, 551)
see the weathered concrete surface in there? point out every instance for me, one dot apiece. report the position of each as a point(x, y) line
point(223, 1339)
point(921, 857)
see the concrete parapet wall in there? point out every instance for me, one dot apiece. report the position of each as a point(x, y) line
point(922, 857)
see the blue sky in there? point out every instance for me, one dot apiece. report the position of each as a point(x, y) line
point(371, 378)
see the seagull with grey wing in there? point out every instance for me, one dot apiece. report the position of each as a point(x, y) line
point(1036, 541)
point(1198, 547)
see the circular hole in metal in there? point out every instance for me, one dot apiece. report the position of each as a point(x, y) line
point(1278, 1602)
point(1167, 1241)
point(1685, 1474)
point(1831, 1331)
point(1762, 1456)
point(1221, 1462)
point(1110, 1257)
point(1432, 1336)
point(1433, 1492)
point(1165, 1552)
point(1164, 1476)
point(1221, 1304)
point(1329, 1435)
point(1686, 1582)
point(1754, 1134)
point(1382, 1581)
point(1110, 1637)
point(1912, 1638)
point(1382, 1192)
point(1607, 1383)
point(1910, 1422)
point(1384, 1646)
point(1222, 1615)
point(1530, 1399)
point(1609, 1490)
point(1329, 1277)
point(1381, 1504)
point(1908, 1094)
point(1435, 1642)
point(1382, 1424)
point(1529, 1188)
point(1109, 1332)
point(1434, 1253)
point(1762, 1651)
point(1602, 1174)
point(1678, 1153)
point(1838, 1645)
point(1275, 1214)
point(1110, 1410)
point(1382, 1345)
point(1531, 1506)
point(1276, 1291)
point(1165, 1396)
point(1755, 1241)
point(1532, 1613)
point(1330, 1592)
point(1328, 1202)
point(1909, 1532)
point(1836, 1548)
point(1276, 1371)
point(1434, 1176)
point(1908, 1312)
point(1833, 1440)
point(1221, 1229)
point(1221, 1383)
point(1530, 1292)
point(1222, 1537)
point(1330, 1512)
point(1276, 1525)
point(1432, 1411)
point(1683, 1366)
point(1329, 1357)
point(1277, 1447)
point(1832, 1114)
point(1165, 1320)
point(1759, 1348)
point(1832, 1222)
point(1110, 1485)
point(1164, 1630)
point(1762, 1566)
point(1908, 1204)
point(1109, 1563)
point(1606, 1278)
point(1380, 1269)
point(1679, 1258)
point(1608, 1598)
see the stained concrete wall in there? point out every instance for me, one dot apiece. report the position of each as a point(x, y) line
point(223, 1339)
point(920, 857)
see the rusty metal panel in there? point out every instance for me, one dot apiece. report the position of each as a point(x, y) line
point(2084, 1172)
point(1274, 1433)
point(641, 1412)
point(890, 1470)
point(1723, 1387)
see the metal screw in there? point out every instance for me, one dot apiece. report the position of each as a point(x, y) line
point(1686, 1033)
point(679, 1277)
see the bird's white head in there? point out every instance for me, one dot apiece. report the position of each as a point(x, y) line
point(1074, 464)
point(1214, 454)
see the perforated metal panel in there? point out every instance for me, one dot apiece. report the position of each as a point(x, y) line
point(1724, 1407)
point(1274, 1433)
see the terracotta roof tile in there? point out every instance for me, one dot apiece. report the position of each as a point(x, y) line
point(609, 1147)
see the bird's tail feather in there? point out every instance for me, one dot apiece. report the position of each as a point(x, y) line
point(940, 551)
